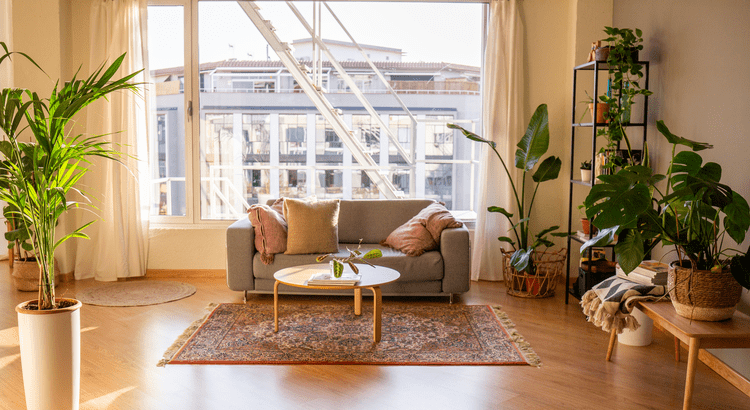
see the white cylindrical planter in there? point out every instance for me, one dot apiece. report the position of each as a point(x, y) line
point(640, 337)
point(586, 175)
point(51, 356)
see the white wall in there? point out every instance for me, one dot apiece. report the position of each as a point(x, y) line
point(699, 58)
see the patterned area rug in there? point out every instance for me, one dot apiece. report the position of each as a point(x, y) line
point(135, 293)
point(332, 334)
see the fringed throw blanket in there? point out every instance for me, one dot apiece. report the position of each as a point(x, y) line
point(608, 304)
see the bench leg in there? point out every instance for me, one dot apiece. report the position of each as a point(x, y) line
point(244, 298)
point(450, 299)
point(612, 341)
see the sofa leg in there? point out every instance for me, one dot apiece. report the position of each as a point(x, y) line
point(450, 299)
point(244, 298)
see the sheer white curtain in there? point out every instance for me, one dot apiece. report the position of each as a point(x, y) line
point(503, 123)
point(119, 242)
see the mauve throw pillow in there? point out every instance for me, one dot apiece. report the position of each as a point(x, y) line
point(270, 231)
point(313, 226)
point(438, 217)
point(422, 232)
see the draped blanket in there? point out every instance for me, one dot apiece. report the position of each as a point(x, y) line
point(608, 304)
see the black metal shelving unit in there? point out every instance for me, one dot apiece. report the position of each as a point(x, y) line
point(596, 68)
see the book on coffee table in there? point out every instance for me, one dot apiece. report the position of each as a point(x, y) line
point(326, 279)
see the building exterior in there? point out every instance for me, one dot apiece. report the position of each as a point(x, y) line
point(261, 137)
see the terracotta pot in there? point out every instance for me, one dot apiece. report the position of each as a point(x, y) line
point(601, 110)
point(586, 226)
point(549, 267)
point(26, 275)
point(703, 294)
point(51, 355)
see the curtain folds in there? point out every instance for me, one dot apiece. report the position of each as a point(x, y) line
point(503, 123)
point(119, 241)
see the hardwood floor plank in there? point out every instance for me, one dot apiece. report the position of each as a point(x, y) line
point(121, 347)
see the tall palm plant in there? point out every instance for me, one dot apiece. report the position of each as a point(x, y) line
point(36, 176)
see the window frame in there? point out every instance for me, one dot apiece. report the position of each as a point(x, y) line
point(191, 95)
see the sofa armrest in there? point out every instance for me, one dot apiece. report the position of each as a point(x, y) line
point(240, 252)
point(454, 247)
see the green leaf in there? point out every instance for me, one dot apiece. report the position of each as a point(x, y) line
point(500, 210)
point(548, 170)
point(740, 267)
point(338, 269)
point(520, 259)
point(375, 253)
point(618, 199)
point(602, 238)
point(535, 141)
point(737, 219)
point(472, 136)
point(546, 231)
point(629, 249)
point(506, 239)
point(673, 139)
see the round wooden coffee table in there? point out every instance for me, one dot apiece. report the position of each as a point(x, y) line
point(372, 278)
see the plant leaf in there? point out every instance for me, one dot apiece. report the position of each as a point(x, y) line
point(673, 139)
point(548, 170)
point(629, 249)
point(375, 253)
point(535, 141)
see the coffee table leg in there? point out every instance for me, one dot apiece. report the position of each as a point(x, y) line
point(377, 312)
point(358, 301)
point(276, 306)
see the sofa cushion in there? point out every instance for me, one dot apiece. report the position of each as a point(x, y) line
point(422, 232)
point(270, 231)
point(313, 226)
point(426, 267)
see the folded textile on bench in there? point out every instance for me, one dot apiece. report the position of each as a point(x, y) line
point(608, 304)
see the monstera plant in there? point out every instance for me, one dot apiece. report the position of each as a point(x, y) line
point(693, 212)
point(531, 148)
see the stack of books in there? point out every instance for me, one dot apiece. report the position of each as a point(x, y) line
point(326, 279)
point(647, 273)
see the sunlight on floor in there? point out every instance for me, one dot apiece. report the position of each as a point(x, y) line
point(105, 401)
point(9, 337)
point(4, 361)
point(86, 329)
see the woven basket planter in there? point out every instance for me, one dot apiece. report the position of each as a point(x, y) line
point(26, 275)
point(702, 294)
point(549, 266)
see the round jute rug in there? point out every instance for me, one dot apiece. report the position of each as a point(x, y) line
point(135, 293)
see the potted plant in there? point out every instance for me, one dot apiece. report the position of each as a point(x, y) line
point(625, 73)
point(337, 262)
point(35, 178)
point(586, 171)
point(695, 213)
point(525, 261)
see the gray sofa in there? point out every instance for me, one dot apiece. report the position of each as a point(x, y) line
point(443, 272)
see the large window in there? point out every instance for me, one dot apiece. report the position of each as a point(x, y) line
point(237, 125)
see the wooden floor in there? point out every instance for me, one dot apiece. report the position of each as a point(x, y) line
point(121, 346)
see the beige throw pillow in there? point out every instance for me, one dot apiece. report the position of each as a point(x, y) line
point(313, 226)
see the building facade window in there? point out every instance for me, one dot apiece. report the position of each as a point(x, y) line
point(255, 134)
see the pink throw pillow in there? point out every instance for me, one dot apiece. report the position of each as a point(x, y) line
point(270, 231)
point(422, 232)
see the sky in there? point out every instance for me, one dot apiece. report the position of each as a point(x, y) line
point(426, 32)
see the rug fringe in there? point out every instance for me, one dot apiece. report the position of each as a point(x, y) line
point(185, 336)
point(528, 353)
